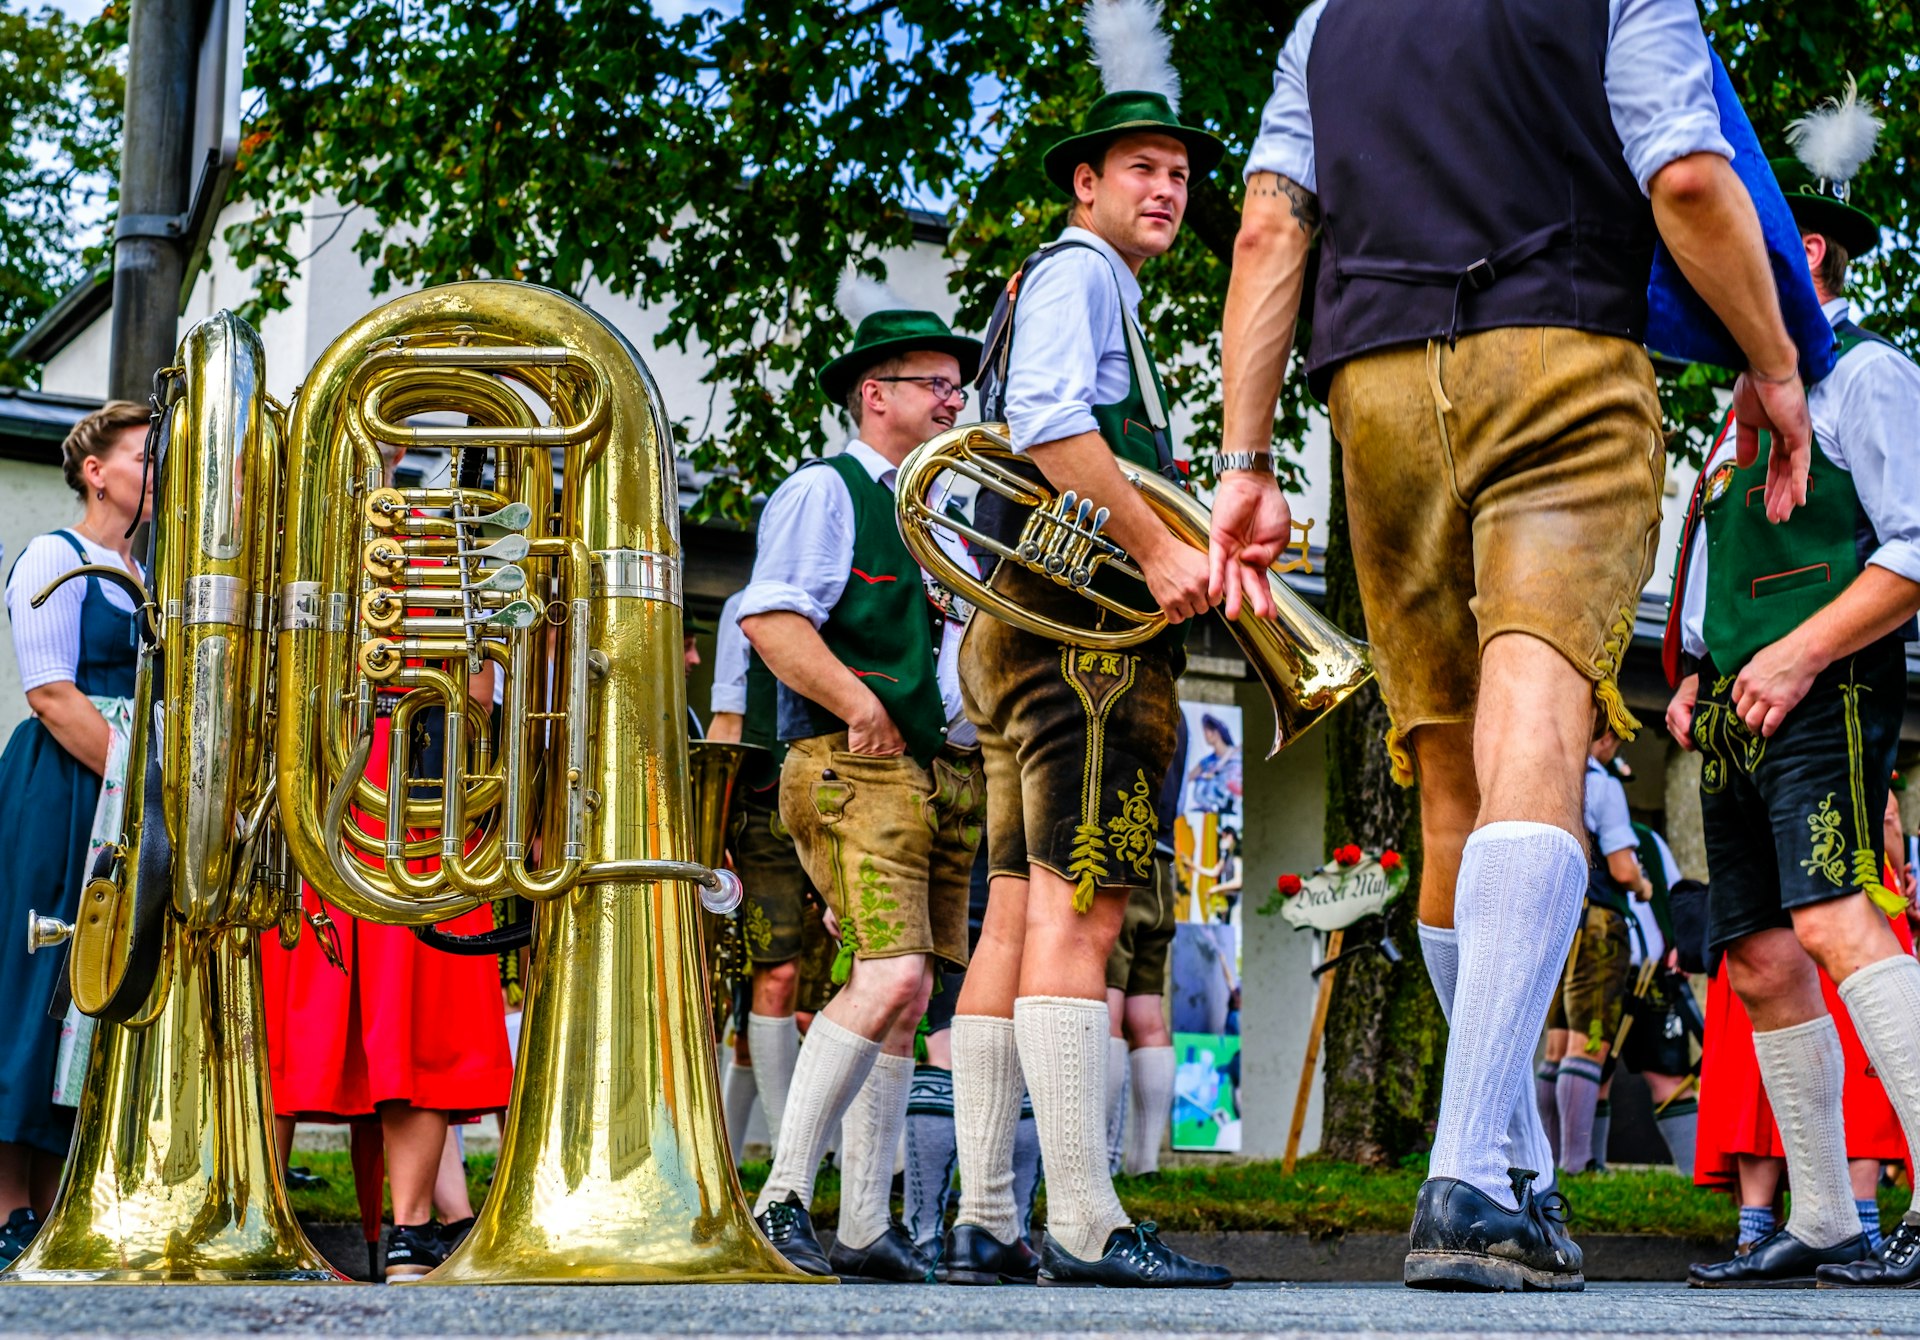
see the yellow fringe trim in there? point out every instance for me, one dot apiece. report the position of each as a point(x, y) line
point(1606, 688)
point(1399, 756)
point(1083, 893)
point(1866, 874)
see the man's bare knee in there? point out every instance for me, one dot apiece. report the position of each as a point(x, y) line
point(775, 987)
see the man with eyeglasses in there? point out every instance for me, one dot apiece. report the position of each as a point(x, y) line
point(882, 788)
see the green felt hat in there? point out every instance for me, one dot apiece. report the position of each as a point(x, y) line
point(889, 334)
point(1128, 112)
point(1819, 212)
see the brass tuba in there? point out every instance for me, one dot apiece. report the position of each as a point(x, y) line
point(1307, 666)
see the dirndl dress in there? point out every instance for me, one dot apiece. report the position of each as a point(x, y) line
point(397, 1022)
point(1735, 1117)
point(45, 822)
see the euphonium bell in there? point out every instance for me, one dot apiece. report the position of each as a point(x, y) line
point(1308, 666)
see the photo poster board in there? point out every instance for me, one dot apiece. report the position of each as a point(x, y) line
point(1207, 833)
point(1206, 1038)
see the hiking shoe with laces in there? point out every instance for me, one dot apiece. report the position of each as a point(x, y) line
point(412, 1251)
point(789, 1228)
point(16, 1233)
point(1463, 1239)
point(1135, 1258)
point(1896, 1267)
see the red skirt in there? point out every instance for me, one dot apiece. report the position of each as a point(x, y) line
point(1735, 1117)
point(401, 1023)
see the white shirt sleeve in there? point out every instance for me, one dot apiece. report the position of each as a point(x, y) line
point(1066, 310)
point(1693, 602)
point(1878, 406)
point(729, 661)
point(1659, 82)
point(46, 641)
point(805, 543)
point(1606, 813)
point(1284, 143)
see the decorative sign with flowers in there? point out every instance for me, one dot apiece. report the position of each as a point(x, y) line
point(1354, 884)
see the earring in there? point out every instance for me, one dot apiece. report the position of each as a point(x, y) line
point(100, 493)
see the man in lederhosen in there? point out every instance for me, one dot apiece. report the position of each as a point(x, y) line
point(1076, 741)
point(1486, 183)
point(1793, 686)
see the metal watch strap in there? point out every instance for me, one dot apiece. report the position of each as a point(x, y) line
point(1244, 460)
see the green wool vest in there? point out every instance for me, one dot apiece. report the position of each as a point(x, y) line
point(761, 725)
point(882, 629)
point(1763, 580)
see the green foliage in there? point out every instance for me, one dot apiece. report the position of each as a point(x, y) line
point(61, 101)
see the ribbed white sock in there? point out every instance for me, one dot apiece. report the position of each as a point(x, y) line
point(736, 1098)
point(1117, 1076)
point(1152, 1106)
point(1528, 1145)
point(774, 1042)
point(1512, 875)
point(1884, 1000)
point(832, 1067)
point(1063, 1053)
point(1806, 1073)
point(875, 1123)
point(987, 1090)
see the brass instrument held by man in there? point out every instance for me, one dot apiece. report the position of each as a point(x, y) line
point(1308, 666)
point(713, 767)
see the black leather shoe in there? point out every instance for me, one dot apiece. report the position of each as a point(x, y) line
point(1778, 1261)
point(975, 1256)
point(891, 1258)
point(1897, 1266)
point(789, 1228)
point(1135, 1258)
point(1462, 1239)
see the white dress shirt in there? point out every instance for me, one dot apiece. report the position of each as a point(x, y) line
point(730, 661)
point(805, 554)
point(1863, 413)
point(1650, 936)
point(46, 641)
point(1605, 812)
point(1659, 92)
point(1070, 342)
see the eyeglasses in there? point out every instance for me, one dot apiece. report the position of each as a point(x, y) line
point(942, 388)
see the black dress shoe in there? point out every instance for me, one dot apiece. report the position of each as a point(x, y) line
point(1897, 1266)
point(975, 1256)
point(1462, 1239)
point(1135, 1258)
point(891, 1258)
point(1778, 1261)
point(789, 1228)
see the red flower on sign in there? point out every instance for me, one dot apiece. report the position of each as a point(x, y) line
point(1389, 860)
point(1288, 885)
point(1347, 855)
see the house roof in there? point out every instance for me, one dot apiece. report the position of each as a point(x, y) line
point(34, 423)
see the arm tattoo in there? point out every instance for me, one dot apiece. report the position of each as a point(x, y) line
point(1302, 203)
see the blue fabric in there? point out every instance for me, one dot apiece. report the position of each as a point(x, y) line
point(1679, 322)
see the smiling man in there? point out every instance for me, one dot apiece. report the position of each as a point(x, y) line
point(1076, 741)
point(882, 786)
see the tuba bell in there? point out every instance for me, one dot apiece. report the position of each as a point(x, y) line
point(1308, 666)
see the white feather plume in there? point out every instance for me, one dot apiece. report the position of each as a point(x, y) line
point(859, 297)
point(1132, 52)
point(1834, 139)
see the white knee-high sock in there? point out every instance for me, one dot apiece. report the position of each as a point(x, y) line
point(1152, 1107)
point(1806, 1073)
point(736, 1097)
point(1117, 1075)
point(1884, 1000)
point(875, 1122)
point(832, 1067)
point(1063, 1053)
point(1512, 874)
point(1527, 1140)
point(774, 1042)
point(987, 1089)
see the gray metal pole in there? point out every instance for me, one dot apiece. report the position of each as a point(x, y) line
point(149, 253)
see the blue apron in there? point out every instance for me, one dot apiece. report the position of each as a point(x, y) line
point(47, 800)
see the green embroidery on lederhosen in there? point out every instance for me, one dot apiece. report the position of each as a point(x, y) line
point(1828, 846)
point(756, 929)
point(879, 928)
point(1132, 831)
point(1084, 671)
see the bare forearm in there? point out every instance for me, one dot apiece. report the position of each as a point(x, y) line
point(1083, 464)
point(1707, 220)
point(1263, 304)
point(1874, 604)
point(74, 722)
point(726, 727)
point(799, 658)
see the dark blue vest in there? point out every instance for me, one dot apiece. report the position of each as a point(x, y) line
point(1469, 176)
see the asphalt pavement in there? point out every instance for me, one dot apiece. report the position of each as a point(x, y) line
point(286, 1313)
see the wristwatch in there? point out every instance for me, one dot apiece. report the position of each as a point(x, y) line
point(1244, 460)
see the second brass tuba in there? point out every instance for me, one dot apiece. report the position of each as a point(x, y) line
point(1308, 666)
